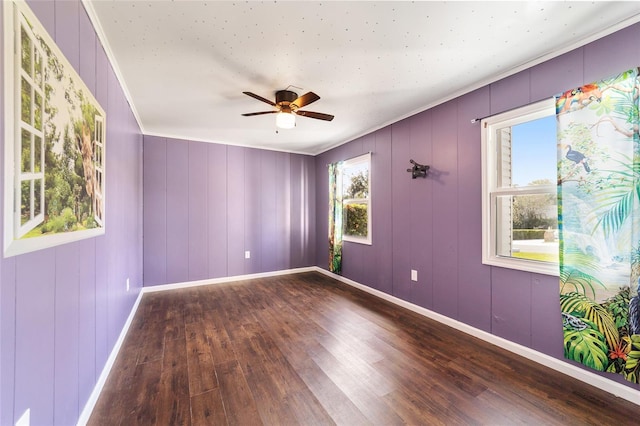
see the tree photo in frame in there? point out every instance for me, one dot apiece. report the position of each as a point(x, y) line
point(54, 142)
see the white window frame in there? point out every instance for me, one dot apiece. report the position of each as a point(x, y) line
point(16, 13)
point(353, 162)
point(98, 163)
point(32, 177)
point(491, 188)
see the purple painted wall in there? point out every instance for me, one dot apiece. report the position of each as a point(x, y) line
point(434, 225)
point(206, 204)
point(63, 308)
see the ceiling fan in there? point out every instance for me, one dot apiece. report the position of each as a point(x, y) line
point(288, 105)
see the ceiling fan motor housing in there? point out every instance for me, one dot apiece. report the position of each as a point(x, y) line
point(289, 102)
point(285, 97)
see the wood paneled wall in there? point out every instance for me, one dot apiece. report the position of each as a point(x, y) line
point(433, 225)
point(63, 308)
point(206, 204)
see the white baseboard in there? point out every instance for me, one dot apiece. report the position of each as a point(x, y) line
point(573, 371)
point(93, 398)
point(577, 373)
point(222, 280)
point(97, 389)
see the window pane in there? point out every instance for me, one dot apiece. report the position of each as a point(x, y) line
point(25, 201)
point(527, 153)
point(25, 155)
point(38, 68)
point(37, 194)
point(355, 219)
point(37, 154)
point(38, 111)
point(26, 51)
point(356, 192)
point(98, 130)
point(526, 226)
point(355, 181)
point(26, 101)
point(98, 155)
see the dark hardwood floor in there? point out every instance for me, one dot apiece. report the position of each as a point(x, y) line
point(306, 349)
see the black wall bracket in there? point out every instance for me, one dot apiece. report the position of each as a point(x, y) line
point(418, 170)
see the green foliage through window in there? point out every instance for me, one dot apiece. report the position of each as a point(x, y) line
point(356, 198)
point(355, 219)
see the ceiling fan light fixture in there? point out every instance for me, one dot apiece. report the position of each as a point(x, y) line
point(287, 106)
point(285, 120)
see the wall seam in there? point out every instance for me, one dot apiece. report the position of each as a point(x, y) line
point(15, 335)
point(189, 145)
point(95, 257)
point(483, 224)
point(457, 105)
point(206, 211)
point(392, 209)
point(531, 281)
point(55, 330)
point(166, 165)
point(77, 397)
point(226, 184)
point(433, 281)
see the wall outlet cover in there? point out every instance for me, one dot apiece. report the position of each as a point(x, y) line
point(247, 254)
point(414, 275)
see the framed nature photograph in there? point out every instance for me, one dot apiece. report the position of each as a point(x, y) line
point(54, 161)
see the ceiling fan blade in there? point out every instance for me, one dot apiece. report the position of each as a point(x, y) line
point(305, 99)
point(318, 115)
point(259, 113)
point(260, 98)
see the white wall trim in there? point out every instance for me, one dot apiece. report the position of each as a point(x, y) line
point(163, 287)
point(573, 371)
point(184, 136)
point(97, 389)
point(558, 365)
point(491, 79)
point(104, 42)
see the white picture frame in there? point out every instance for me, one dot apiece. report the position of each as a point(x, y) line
point(54, 145)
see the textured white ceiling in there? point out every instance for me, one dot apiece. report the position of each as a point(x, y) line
point(185, 64)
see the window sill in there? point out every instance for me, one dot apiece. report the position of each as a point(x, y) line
point(365, 241)
point(544, 268)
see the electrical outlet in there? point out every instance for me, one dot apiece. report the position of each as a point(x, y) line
point(414, 275)
point(247, 254)
point(128, 284)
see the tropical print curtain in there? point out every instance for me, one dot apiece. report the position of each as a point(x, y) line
point(335, 219)
point(599, 221)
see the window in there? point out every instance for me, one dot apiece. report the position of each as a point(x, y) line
point(356, 199)
point(519, 176)
point(54, 141)
point(98, 164)
point(30, 176)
